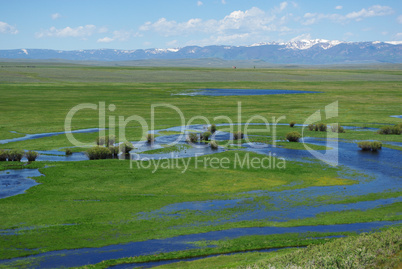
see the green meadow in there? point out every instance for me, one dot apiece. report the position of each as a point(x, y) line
point(103, 200)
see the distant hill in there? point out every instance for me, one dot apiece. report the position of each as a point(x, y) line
point(305, 52)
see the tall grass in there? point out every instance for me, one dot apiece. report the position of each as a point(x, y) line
point(150, 138)
point(213, 144)
point(126, 147)
point(370, 146)
point(97, 153)
point(292, 124)
point(31, 155)
point(238, 135)
point(192, 138)
point(212, 128)
point(396, 129)
point(205, 136)
point(15, 155)
point(3, 155)
point(68, 152)
point(293, 136)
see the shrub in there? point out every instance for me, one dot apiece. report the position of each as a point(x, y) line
point(3, 155)
point(337, 128)
point(150, 138)
point(100, 140)
point(311, 127)
point(114, 150)
point(212, 128)
point(238, 135)
point(126, 147)
point(213, 145)
point(31, 155)
point(68, 152)
point(205, 136)
point(192, 138)
point(15, 155)
point(97, 153)
point(293, 136)
point(322, 127)
point(292, 124)
point(396, 129)
point(367, 145)
point(110, 140)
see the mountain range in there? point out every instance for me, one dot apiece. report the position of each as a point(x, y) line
point(317, 51)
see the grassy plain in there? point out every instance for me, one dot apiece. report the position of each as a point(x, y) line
point(103, 199)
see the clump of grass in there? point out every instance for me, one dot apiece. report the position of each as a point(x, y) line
point(205, 136)
point(337, 128)
point(3, 155)
point(110, 140)
point(386, 130)
point(212, 128)
point(322, 127)
point(97, 153)
point(292, 124)
point(100, 140)
point(114, 150)
point(31, 155)
point(15, 155)
point(213, 144)
point(68, 152)
point(192, 138)
point(293, 136)
point(126, 147)
point(311, 127)
point(370, 146)
point(150, 138)
point(238, 135)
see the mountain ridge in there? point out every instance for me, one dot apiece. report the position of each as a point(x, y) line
point(317, 51)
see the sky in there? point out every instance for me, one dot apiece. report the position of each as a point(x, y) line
point(130, 25)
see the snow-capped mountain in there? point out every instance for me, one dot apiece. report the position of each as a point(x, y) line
point(318, 51)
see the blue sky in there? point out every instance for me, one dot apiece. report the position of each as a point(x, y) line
point(124, 24)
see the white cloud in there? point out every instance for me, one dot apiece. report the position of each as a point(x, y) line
point(80, 31)
point(105, 40)
point(224, 2)
point(118, 35)
point(373, 11)
point(199, 3)
point(6, 28)
point(338, 7)
point(399, 19)
point(56, 16)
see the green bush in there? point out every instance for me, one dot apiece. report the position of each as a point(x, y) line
point(337, 128)
point(114, 150)
point(3, 155)
point(192, 138)
point(205, 136)
point(396, 129)
point(293, 136)
point(97, 153)
point(212, 128)
point(213, 145)
point(150, 138)
point(367, 145)
point(15, 155)
point(68, 152)
point(292, 124)
point(31, 155)
point(238, 135)
point(110, 140)
point(322, 127)
point(100, 140)
point(311, 127)
point(126, 147)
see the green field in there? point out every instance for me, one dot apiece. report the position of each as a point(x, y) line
point(105, 199)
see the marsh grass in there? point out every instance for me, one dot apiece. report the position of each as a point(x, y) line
point(205, 136)
point(31, 155)
point(68, 151)
point(15, 155)
point(292, 124)
point(192, 138)
point(98, 153)
point(126, 147)
point(238, 135)
point(213, 144)
point(293, 136)
point(3, 155)
point(150, 138)
point(370, 145)
point(388, 130)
